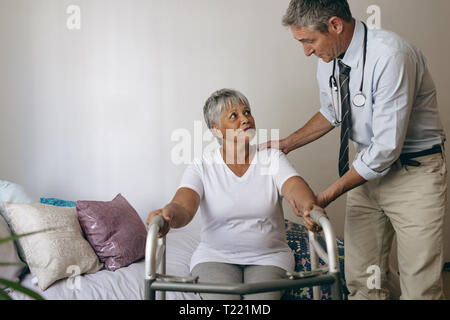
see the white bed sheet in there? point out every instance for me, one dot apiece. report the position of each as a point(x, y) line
point(126, 283)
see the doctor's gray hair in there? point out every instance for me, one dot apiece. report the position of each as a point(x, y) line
point(315, 14)
point(220, 100)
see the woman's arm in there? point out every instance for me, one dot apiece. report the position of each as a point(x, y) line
point(302, 200)
point(179, 212)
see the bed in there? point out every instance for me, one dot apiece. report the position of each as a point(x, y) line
point(127, 283)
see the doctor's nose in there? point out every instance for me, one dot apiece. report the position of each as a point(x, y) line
point(308, 51)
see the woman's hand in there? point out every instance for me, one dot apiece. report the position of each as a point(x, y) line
point(167, 216)
point(309, 222)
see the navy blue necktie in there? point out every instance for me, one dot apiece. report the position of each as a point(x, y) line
point(344, 80)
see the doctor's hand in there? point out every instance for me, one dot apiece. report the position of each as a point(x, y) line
point(167, 216)
point(282, 145)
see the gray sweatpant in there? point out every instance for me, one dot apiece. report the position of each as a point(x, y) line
point(215, 272)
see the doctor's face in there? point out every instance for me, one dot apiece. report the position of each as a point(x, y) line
point(324, 45)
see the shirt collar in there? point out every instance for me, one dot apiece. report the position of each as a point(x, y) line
point(355, 51)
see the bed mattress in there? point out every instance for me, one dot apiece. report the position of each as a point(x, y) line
point(126, 283)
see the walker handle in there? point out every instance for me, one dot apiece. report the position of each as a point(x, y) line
point(152, 245)
point(317, 216)
point(322, 220)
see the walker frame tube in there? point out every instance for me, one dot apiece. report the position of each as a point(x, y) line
point(333, 277)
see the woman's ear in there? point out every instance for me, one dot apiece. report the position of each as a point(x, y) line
point(216, 132)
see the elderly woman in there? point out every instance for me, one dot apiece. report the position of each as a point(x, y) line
point(239, 191)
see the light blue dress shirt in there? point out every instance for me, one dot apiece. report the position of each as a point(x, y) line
point(401, 112)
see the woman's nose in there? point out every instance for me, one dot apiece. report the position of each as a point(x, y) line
point(244, 119)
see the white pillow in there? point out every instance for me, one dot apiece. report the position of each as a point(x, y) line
point(12, 192)
point(54, 254)
point(8, 253)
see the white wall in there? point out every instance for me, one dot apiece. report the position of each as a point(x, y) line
point(89, 113)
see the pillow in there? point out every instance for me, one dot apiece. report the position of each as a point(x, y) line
point(298, 240)
point(11, 192)
point(115, 231)
point(50, 254)
point(8, 254)
point(58, 202)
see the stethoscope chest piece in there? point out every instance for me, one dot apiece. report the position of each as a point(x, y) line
point(359, 100)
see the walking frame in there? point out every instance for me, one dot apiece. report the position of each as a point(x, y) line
point(155, 256)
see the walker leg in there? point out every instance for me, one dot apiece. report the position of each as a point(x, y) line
point(150, 294)
point(336, 287)
point(314, 264)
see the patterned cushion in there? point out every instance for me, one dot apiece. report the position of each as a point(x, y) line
point(298, 241)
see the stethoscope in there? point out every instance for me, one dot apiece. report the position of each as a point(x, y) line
point(359, 100)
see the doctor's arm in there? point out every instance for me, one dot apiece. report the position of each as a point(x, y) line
point(349, 181)
point(179, 212)
point(314, 129)
point(302, 200)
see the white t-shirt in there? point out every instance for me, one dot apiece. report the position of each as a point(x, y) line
point(242, 217)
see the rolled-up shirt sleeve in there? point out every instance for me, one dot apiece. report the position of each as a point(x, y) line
point(393, 98)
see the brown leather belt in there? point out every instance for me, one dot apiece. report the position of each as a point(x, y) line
point(407, 158)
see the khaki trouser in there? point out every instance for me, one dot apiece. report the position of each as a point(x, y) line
point(409, 202)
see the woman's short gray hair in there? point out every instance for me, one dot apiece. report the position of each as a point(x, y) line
point(220, 100)
point(315, 14)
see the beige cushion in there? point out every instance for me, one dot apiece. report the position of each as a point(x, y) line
point(8, 253)
point(52, 255)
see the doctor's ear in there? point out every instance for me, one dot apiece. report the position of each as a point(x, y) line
point(336, 25)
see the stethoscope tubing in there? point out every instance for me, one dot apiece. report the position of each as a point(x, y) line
point(334, 85)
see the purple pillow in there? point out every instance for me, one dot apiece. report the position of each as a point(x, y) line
point(114, 230)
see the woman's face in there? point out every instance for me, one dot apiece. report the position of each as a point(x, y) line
point(236, 123)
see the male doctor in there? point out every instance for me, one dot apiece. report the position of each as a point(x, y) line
point(378, 89)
